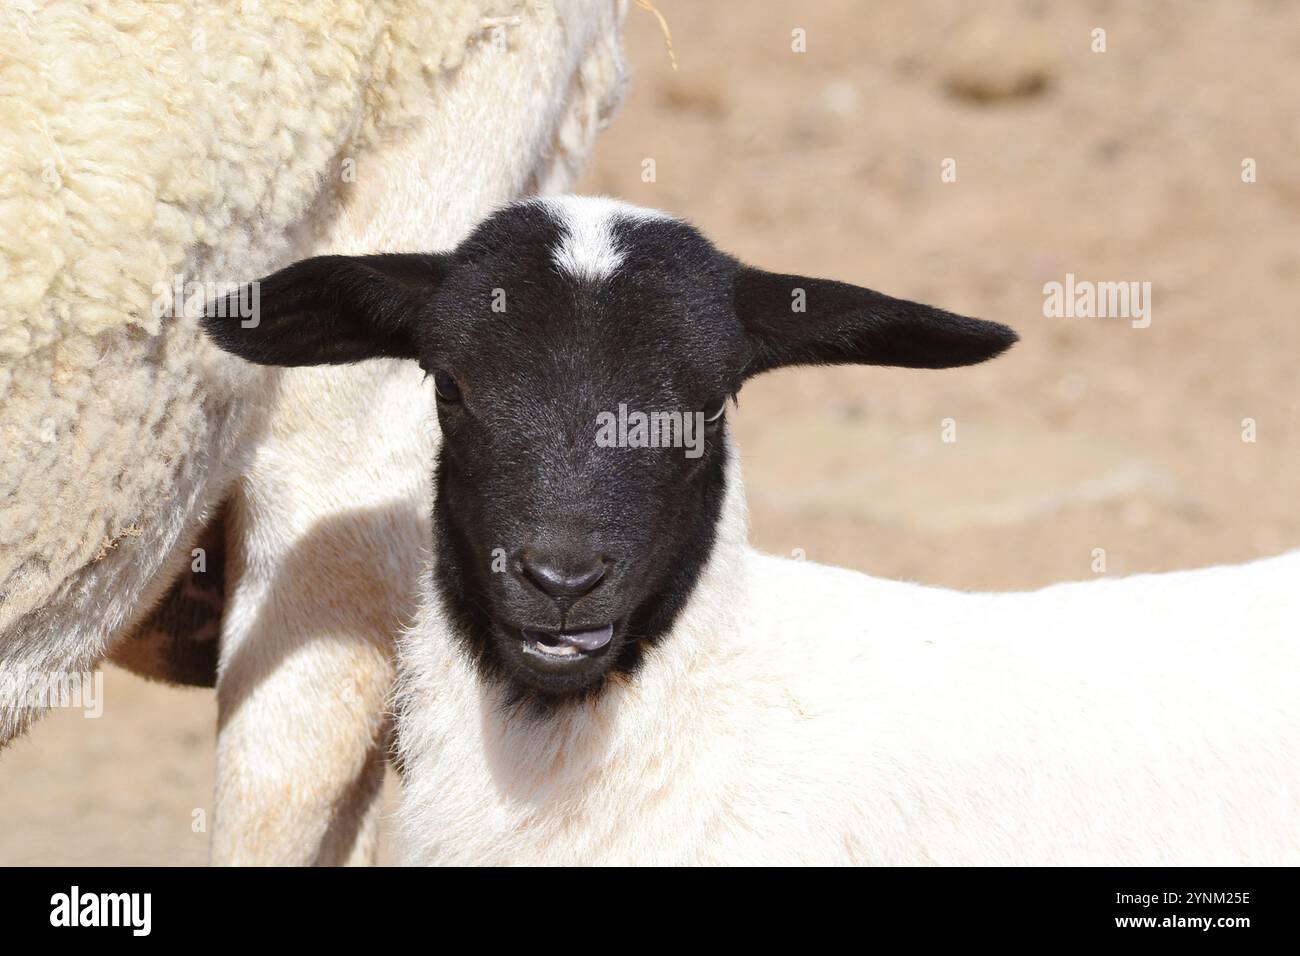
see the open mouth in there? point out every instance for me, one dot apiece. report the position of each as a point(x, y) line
point(566, 646)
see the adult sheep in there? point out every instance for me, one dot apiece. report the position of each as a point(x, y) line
point(155, 147)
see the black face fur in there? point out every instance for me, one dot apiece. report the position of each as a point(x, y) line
point(535, 330)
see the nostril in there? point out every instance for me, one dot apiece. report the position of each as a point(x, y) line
point(562, 582)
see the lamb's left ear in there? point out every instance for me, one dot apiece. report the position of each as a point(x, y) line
point(797, 320)
point(328, 310)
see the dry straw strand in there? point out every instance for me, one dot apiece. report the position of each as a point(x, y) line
point(663, 25)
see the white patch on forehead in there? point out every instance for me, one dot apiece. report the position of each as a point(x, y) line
point(589, 247)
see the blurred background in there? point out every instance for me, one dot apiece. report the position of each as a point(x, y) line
point(1090, 438)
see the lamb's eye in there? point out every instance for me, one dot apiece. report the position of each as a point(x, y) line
point(713, 411)
point(446, 387)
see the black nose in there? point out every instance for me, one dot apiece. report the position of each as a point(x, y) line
point(563, 581)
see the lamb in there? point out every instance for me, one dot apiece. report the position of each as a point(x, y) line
point(602, 671)
point(205, 142)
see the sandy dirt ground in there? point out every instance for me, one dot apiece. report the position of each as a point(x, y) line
point(1091, 438)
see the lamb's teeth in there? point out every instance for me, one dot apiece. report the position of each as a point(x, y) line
point(548, 650)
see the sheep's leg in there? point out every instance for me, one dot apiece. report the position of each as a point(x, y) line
point(312, 609)
point(177, 642)
point(301, 743)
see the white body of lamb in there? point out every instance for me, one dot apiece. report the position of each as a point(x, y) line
point(802, 714)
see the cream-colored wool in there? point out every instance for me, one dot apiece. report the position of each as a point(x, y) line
point(143, 141)
point(218, 141)
point(139, 135)
point(803, 714)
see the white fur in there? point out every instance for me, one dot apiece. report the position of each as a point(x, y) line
point(336, 523)
point(589, 249)
point(122, 433)
point(805, 714)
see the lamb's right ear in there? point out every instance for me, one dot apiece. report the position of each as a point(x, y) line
point(328, 310)
point(799, 320)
